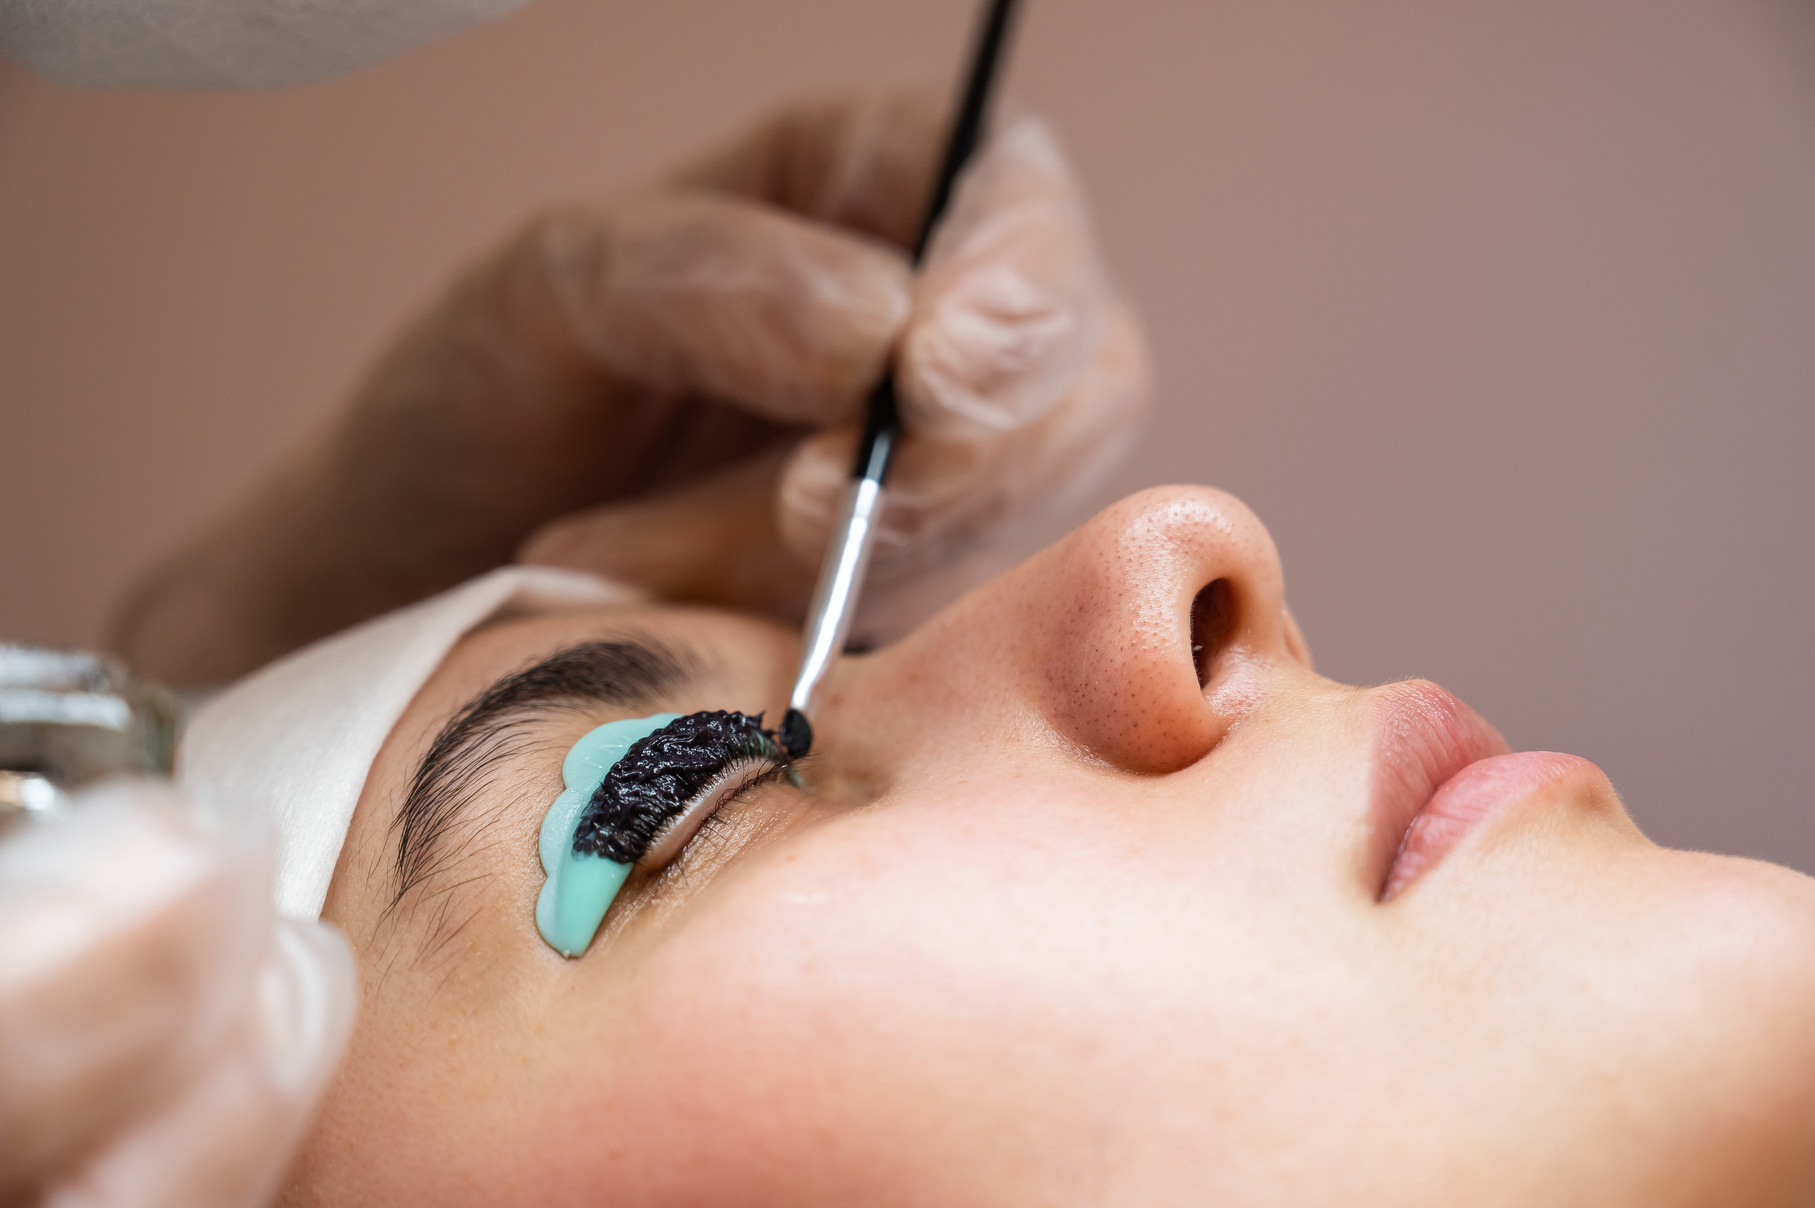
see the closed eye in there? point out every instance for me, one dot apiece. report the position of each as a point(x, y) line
point(738, 777)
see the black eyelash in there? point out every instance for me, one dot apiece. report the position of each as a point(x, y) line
point(716, 820)
point(660, 773)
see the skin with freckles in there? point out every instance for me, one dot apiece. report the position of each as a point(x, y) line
point(1067, 912)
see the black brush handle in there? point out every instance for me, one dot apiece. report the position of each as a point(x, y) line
point(882, 418)
point(854, 533)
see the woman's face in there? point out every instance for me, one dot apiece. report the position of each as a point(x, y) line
point(1095, 893)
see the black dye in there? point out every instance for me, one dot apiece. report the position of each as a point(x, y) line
point(796, 735)
point(660, 774)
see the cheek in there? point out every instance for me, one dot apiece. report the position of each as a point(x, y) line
point(989, 985)
point(838, 1017)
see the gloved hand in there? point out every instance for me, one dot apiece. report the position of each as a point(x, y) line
point(1022, 379)
point(666, 391)
point(163, 1038)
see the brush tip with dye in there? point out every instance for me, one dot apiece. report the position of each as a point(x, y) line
point(796, 734)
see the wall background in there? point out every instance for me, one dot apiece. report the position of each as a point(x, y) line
point(1501, 316)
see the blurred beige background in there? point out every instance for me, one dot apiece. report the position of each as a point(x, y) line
point(1501, 315)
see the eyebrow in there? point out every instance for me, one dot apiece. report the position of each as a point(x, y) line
point(494, 726)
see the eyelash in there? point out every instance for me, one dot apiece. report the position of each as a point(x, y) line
point(662, 778)
point(713, 820)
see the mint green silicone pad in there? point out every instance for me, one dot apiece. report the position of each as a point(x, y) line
point(579, 889)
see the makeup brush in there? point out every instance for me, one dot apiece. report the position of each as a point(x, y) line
point(854, 529)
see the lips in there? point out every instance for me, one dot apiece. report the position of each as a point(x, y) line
point(1422, 737)
point(1441, 772)
point(1472, 796)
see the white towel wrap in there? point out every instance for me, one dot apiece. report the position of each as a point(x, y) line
point(296, 739)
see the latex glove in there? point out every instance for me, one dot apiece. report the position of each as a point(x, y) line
point(1022, 378)
point(163, 1037)
point(626, 389)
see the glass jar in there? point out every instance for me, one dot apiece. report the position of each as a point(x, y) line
point(69, 718)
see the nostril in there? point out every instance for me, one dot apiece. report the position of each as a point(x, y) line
point(1212, 623)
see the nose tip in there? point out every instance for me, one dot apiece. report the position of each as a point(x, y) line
point(1153, 605)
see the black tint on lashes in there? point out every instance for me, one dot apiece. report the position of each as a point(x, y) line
point(661, 773)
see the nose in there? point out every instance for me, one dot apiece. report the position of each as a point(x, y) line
point(1153, 607)
point(1138, 638)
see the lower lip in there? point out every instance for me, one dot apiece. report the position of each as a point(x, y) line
point(1472, 797)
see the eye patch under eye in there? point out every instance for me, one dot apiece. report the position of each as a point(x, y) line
point(630, 785)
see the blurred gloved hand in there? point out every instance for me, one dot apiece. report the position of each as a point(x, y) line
point(163, 1037)
point(667, 391)
point(1021, 377)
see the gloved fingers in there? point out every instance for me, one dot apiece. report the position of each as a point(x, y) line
point(945, 494)
point(738, 539)
point(676, 295)
point(224, 1138)
point(1010, 303)
point(933, 485)
point(308, 995)
point(730, 300)
point(132, 936)
point(863, 162)
point(712, 542)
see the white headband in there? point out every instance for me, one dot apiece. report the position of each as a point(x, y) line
point(296, 739)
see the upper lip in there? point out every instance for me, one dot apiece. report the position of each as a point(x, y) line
point(1420, 736)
